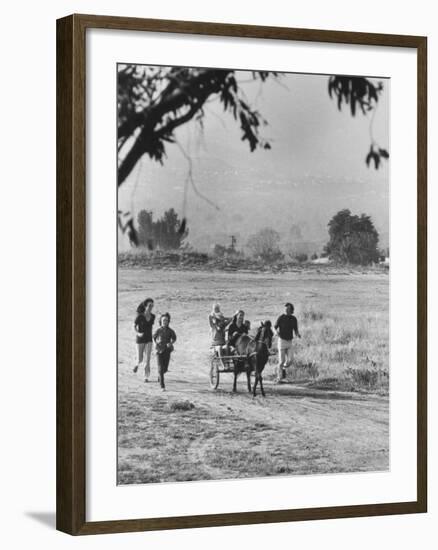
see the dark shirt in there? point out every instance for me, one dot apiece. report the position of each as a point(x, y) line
point(233, 328)
point(287, 325)
point(142, 325)
point(162, 337)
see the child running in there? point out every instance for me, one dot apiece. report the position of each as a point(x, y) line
point(164, 339)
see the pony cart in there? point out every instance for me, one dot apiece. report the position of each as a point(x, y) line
point(222, 363)
point(250, 356)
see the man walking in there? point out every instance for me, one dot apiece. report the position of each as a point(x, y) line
point(286, 326)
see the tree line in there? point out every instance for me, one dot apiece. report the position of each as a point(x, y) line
point(353, 239)
point(165, 233)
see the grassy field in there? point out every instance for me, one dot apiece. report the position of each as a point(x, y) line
point(331, 415)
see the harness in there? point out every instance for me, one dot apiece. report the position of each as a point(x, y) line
point(248, 355)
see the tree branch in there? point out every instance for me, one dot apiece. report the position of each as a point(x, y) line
point(174, 123)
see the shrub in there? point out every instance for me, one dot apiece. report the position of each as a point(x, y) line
point(301, 257)
point(368, 378)
point(264, 245)
point(183, 405)
point(219, 250)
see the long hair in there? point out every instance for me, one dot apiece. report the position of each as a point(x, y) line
point(238, 312)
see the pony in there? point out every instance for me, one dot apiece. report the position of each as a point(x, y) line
point(255, 354)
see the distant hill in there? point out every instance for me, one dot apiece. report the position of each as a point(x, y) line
point(299, 208)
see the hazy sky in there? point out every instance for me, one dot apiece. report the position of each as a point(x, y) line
point(316, 165)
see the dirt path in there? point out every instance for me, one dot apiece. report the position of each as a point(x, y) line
point(293, 429)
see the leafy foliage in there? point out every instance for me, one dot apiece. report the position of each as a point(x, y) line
point(301, 257)
point(126, 225)
point(375, 154)
point(354, 91)
point(265, 245)
point(353, 239)
point(154, 101)
point(226, 251)
point(167, 233)
point(219, 250)
point(362, 93)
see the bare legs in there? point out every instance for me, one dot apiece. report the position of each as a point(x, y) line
point(285, 358)
point(144, 357)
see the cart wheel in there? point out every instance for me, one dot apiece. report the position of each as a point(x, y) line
point(214, 373)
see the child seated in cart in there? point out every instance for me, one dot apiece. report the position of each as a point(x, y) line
point(218, 323)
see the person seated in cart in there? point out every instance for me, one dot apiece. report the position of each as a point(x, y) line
point(218, 323)
point(236, 328)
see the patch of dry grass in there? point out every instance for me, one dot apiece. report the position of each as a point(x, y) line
point(161, 442)
point(352, 349)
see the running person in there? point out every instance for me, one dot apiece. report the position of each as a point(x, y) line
point(143, 327)
point(164, 339)
point(286, 326)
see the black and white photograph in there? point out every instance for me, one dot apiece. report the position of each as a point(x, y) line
point(253, 274)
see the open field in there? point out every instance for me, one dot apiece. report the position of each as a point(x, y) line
point(332, 414)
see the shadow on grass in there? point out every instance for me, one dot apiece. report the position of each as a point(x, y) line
point(292, 390)
point(286, 389)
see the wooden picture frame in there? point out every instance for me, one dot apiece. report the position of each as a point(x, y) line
point(71, 273)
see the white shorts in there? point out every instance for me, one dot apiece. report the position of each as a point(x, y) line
point(284, 344)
